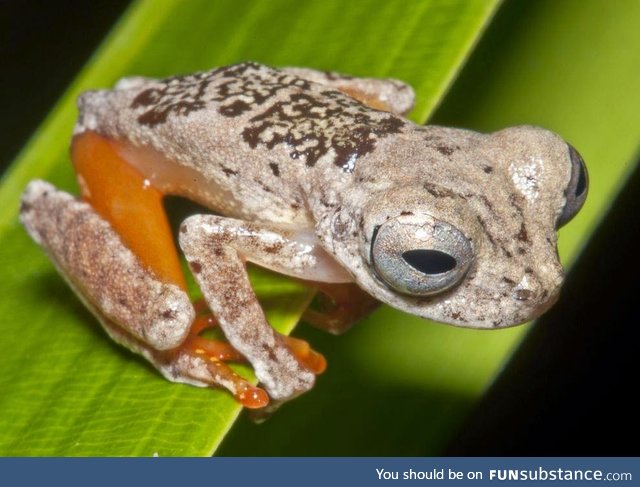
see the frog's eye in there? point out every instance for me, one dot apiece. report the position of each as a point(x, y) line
point(577, 189)
point(420, 258)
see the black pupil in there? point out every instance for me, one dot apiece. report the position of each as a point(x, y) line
point(429, 261)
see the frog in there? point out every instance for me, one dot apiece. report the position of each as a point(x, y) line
point(312, 174)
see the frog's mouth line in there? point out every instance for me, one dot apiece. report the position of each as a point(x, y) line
point(511, 307)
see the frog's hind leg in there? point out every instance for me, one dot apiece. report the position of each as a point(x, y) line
point(145, 314)
point(106, 275)
point(204, 359)
point(390, 95)
point(122, 196)
point(117, 252)
point(340, 305)
point(133, 207)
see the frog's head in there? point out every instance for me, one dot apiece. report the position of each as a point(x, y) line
point(475, 245)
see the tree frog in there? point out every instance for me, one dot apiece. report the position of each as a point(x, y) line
point(312, 174)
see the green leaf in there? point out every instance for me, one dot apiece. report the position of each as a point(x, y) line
point(66, 388)
point(399, 386)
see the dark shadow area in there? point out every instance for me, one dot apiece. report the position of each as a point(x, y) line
point(317, 425)
point(43, 45)
point(349, 415)
point(179, 209)
point(571, 388)
point(476, 76)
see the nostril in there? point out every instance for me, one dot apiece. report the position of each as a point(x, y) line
point(523, 294)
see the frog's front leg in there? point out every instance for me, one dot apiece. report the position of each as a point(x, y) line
point(390, 95)
point(217, 249)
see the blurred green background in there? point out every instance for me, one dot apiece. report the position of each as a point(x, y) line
point(396, 385)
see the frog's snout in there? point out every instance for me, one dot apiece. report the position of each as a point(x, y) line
point(537, 291)
point(535, 302)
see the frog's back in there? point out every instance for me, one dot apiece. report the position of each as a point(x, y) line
point(254, 133)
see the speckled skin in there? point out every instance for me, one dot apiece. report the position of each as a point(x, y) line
point(292, 152)
point(257, 139)
point(88, 253)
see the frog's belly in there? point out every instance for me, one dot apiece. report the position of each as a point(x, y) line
point(235, 197)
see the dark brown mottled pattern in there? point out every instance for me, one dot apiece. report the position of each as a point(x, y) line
point(313, 126)
point(182, 95)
